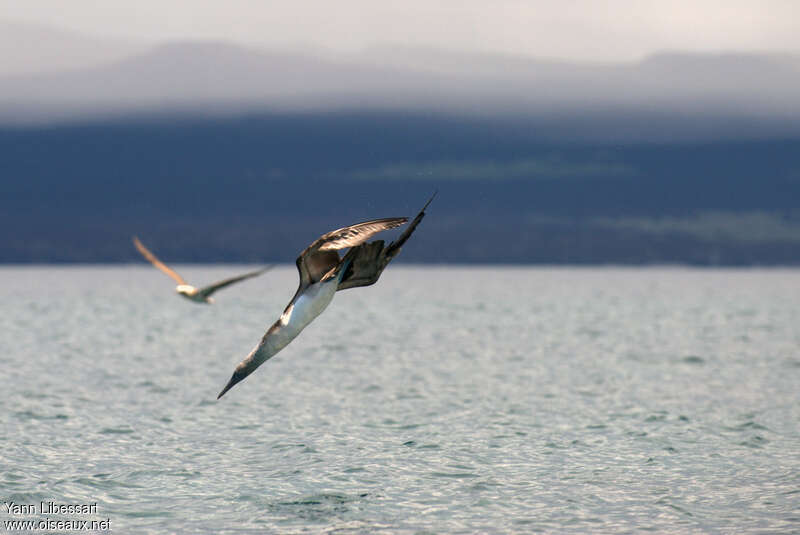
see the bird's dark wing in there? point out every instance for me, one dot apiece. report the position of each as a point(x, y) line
point(370, 259)
point(211, 288)
point(156, 262)
point(394, 247)
point(355, 234)
point(322, 256)
point(314, 265)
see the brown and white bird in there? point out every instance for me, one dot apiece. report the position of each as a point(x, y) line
point(198, 295)
point(322, 274)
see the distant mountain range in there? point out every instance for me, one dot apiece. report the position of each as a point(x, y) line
point(218, 152)
point(222, 78)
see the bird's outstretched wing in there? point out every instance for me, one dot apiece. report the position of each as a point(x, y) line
point(322, 256)
point(156, 262)
point(394, 247)
point(211, 288)
point(355, 234)
point(370, 259)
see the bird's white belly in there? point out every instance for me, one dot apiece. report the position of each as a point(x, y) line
point(308, 306)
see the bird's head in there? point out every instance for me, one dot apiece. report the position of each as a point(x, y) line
point(186, 289)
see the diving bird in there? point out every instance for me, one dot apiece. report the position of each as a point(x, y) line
point(322, 274)
point(198, 295)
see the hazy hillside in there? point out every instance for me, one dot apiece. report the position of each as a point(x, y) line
point(207, 77)
point(217, 152)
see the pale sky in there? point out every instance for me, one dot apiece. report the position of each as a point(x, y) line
point(566, 29)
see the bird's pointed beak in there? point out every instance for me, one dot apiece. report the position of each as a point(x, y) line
point(234, 379)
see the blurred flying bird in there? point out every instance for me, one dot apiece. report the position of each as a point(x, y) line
point(322, 274)
point(198, 295)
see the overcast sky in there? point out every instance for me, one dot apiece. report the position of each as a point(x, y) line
point(568, 29)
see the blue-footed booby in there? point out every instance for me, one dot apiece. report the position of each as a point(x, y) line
point(198, 295)
point(322, 274)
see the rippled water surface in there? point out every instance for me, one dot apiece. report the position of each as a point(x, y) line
point(440, 400)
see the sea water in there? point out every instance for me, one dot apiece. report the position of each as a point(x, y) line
point(440, 400)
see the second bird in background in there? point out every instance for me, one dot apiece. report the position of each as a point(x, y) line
point(198, 295)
